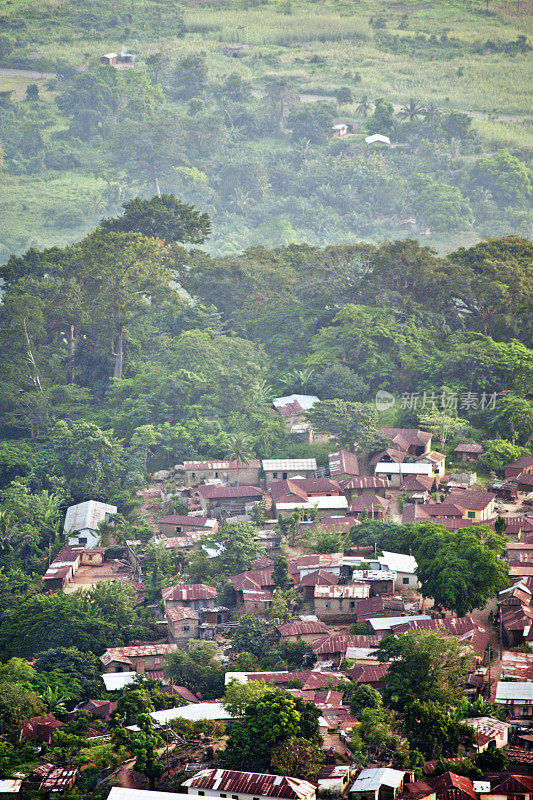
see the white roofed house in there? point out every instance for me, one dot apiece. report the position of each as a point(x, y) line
point(517, 697)
point(382, 783)
point(82, 522)
point(280, 469)
point(403, 565)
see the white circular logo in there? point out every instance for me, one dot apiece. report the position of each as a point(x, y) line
point(384, 400)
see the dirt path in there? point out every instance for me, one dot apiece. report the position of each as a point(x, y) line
point(125, 776)
point(26, 73)
point(328, 98)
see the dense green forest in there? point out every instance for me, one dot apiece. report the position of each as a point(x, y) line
point(249, 139)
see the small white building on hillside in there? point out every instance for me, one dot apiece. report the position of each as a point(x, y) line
point(82, 522)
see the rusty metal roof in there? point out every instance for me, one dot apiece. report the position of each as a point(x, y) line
point(252, 783)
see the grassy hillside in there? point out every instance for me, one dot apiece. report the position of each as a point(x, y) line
point(470, 56)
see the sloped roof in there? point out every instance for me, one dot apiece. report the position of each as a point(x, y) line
point(87, 515)
point(450, 786)
point(179, 613)
point(370, 780)
point(189, 591)
point(212, 492)
point(252, 783)
point(469, 448)
point(366, 482)
point(319, 578)
point(192, 465)
point(339, 643)
point(367, 502)
point(343, 462)
point(346, 591)
point(302, 628)
point(180, 519)
point(407, 437)
point(368, 673)
point(290, 464)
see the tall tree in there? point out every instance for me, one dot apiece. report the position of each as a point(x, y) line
point(163, 217)
point(126, 275)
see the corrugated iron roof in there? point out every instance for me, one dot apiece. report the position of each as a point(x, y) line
point(252, 783)
point(189, 591)
point(290, 464)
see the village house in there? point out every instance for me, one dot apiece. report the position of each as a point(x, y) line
point(383, 626)
point(308, 631)
point(506, 786)
point(253, 580)
point(409, 440)
point(83, 520)
point(382, 783)
point(189, 595)
point(222, 501)
point(340, 130)
point(468, 453)
point(373, 674)
point(334, 779)
point(279, 469)
point(110, 59)
point(294, 408)
point(449, 786)
point(343, 465)
point(369, 505)
point(40, 729)
point(182, 624)
point(517, 699)
point(98, 708)
point(490, 732)
point(380, 581)
point(524, 464)
point(256, 601)
point(322, 494)
point(524, 481)
point(225, 783)
point(227, 472)
point(50, 779)
point(320, 577)
point(136, 658)
point(339, 603)
point(396, 465)
point(301, 566)
point(364, 485)
point(418, 488)
point(378, 139)
point(335, 648)
point(473, 506)
point(67, 562)
point(172, 524)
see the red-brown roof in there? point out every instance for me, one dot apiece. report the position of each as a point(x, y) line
point(302, 628)
point(407, 437)
point(189, 591)
point(524, 479)
point(521, 463)
point(320, 577)
point(252, 783)
point(469, 448)
point(367, 502)
point(368, 673)
point(450, 786)
point(252, 579)
point(365, 482)
point(343, 462)
point(339, 643)
point(179, 613)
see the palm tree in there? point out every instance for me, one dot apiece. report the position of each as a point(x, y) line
point(432, 113)
point(240, 450)
point(364, 106)
point(55, 700)
point(411, 110)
